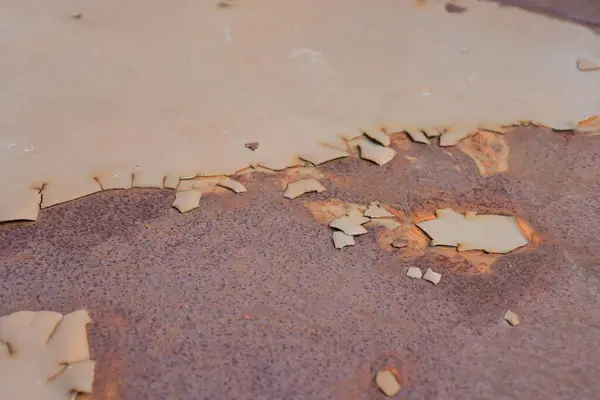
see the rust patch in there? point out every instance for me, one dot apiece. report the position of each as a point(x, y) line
point(400, 141)
point(488, 150)
point(327, 210)
point(296, 173)
point(466, 263)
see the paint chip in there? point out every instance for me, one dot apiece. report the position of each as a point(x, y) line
point(232, 184)
point(585, 64)
point(414, 272)
point(387, 383)
point(341, 240)
point(399, 243)
point(418, 136)
point(321, 154)
point(512, 318)
point(45, 355)
point(301, 187)
point(375, 152)
point(379, 136)
point(491, 233)
point(453, 8)
point(350, 224)
point(432, 276)
point(376, 211)
point(187, 200)
point(252, 146)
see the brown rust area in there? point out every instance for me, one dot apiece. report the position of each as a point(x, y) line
point(488, 150)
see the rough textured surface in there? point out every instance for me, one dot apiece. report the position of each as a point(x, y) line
point(108, 101)
point(184, 302)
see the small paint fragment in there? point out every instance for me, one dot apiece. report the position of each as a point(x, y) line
point(399, 243)
point(376, 211)
point(187, 200)
point(247, 316)
point(298, 188)
point(585, 64)
point(322, 154)
point(350, 225)
point(414, 272)
point(232, 184)
point(379, 136)
point(252, 146)
point(512, 318)
point(418, 136)
point(341, 240)
point(387, 383)
point(432, 276)
point(375, 152)
point(453, 8)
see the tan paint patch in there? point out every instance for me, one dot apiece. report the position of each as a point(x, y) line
point(45, 355)
point(492, 233)
point(327, 210)
point(488, 150)
point(303, 186)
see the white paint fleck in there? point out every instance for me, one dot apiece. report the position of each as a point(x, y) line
point(28, 149)
point(11, 145)
point(312, 55)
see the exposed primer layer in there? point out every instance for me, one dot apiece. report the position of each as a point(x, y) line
point(109, 102)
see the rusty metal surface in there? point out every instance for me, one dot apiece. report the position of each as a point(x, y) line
point(245, 298)
point(168, 292)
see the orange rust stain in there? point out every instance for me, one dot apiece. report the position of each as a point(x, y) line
point(534, 238)
point(466, 263)
point(400, 141)
point(591, 121)
point(417, 241)
point(326, 211)
point(488, 150)
point(294, 174)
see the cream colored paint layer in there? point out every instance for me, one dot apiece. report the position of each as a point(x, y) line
point(44, 355)
point(491, 233)
point(143, 92)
